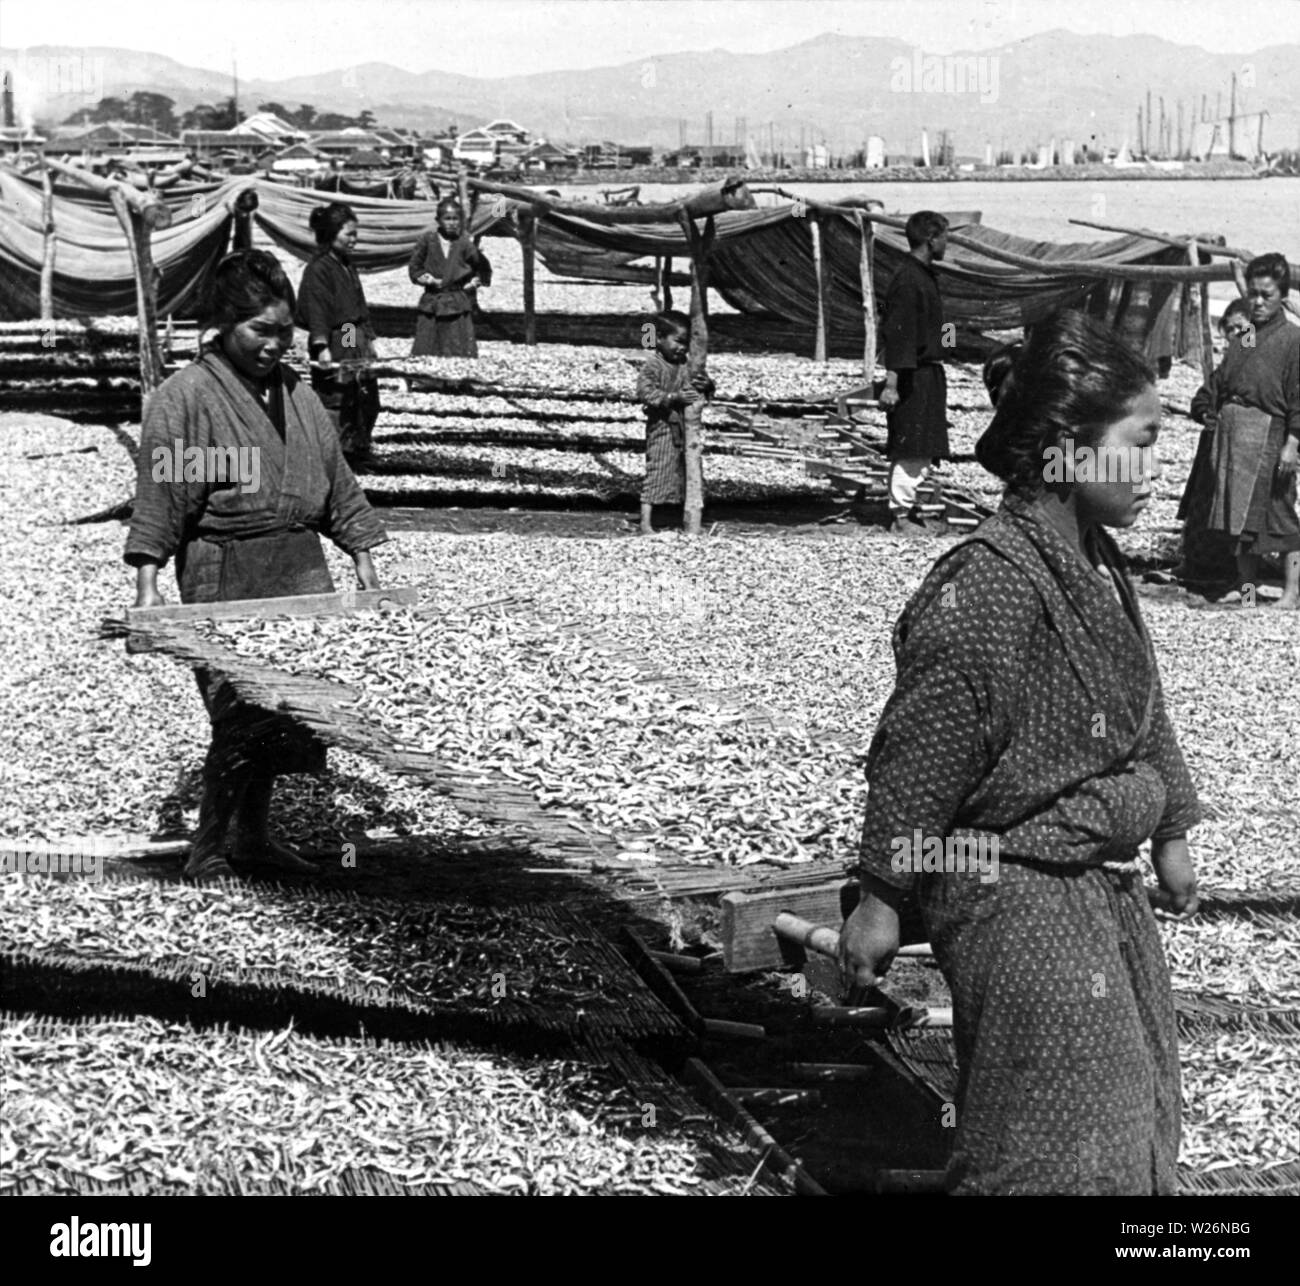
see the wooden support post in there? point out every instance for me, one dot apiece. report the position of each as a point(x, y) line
point(1207, 335)
point(819, 272)
point(138, 244)
point(665, 284)
point(150, 276)
point(697, 365)
point(867, 231)
point(528, 236)
point(462, 190)
point(49, 248)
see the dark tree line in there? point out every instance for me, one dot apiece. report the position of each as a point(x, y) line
point(159, 111)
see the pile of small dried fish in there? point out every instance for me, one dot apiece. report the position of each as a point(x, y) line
point(522, 470)
point(800, 625)
point(1248, 958)
point(602, 371)
point(584, 732)
point(444, 953)
point(1241, 1100)
point(188, 1109)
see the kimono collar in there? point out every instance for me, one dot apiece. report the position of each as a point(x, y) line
point(241, 405)
point(1089, 585)
point(926, 268)
point(1106, 643)
point(1278, 319)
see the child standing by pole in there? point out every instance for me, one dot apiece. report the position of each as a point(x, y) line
point(665, 389)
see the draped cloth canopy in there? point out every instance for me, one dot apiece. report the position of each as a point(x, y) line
point(762, 259)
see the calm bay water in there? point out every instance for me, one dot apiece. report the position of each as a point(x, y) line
point(1257, 215)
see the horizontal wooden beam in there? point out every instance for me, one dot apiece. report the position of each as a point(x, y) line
point(731, 194)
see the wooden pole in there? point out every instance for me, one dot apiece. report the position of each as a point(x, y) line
point(696, 365)
point(138, 244)
point(1207, 336)
point(50, 245)
point(155, 212)
point(528, 227)
point(462, 189)
point(819, 271)
point(1232, 120)
point(1205, 247)
point(866, 230)
point(666, 287)
point(718, 198)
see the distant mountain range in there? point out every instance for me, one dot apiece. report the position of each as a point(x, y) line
point(836, 89)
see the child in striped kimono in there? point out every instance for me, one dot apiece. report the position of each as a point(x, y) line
point(665, 388)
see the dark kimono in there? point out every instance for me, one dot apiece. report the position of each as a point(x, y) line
point(232, 543)
point(912, 334)
point(1207, 555)
point(1028, 709)
point(332, 309)
point(1255, 394)
point(445, 324)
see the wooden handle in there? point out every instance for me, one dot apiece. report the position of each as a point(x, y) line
point(877, 1016)
point(826, 942)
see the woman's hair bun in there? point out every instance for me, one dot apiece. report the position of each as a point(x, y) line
point(1072, 377)
point(999, 369)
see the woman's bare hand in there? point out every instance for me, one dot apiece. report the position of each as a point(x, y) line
point(868, 942)
point(367, 577)
point(1175, 877)
point(146, 586)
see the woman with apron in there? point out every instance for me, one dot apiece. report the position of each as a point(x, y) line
point(340, 337)
point(1252, 402)
point(239, 473)
point(450, 267)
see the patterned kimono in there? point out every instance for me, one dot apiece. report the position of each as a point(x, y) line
point(445, 324)
point(232, 543)
point(658, 383)
point(1028, 710)
point(1255, 393)
point(332, 307)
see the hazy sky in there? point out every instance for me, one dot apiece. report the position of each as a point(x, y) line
point(279, 38)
